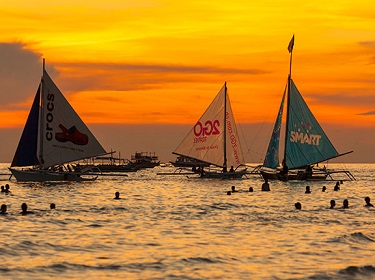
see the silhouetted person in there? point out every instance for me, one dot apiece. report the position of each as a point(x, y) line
point(117, 195)
point(202, 171)
point(234, 189)
point(7, 190)
point(231, 169)
point(324, 189)
point(298, 205)
point(333, 204)
point(2, 189)
point(229, 193)
point(368, 204)
point(309, 171)
point(3, 209)
point(251, 189)
point(345, 204)
point(337, 186)
point(285, 168)
point(24, 209)
point(307, 189)
point(52, 206)
point(266, 186)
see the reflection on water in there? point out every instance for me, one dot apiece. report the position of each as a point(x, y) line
point(166, 227)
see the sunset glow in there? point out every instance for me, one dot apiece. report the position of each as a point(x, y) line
point(161, 62)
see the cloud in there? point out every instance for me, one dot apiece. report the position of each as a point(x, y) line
point(355, 98)
point(368, 44)
point(20, 72)
point(134, 76)
point(367, 113)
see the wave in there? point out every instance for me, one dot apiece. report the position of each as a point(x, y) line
point(200, 260)
point(367, 270)
point(349, 273)
point(356, 237)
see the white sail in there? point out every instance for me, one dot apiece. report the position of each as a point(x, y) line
point(205, 141)
point(63, 136)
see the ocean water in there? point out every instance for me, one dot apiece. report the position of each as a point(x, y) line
point(176, 227)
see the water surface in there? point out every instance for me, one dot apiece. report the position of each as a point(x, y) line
point(176, 227)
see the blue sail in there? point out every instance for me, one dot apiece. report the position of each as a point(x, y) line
point(272, 157)
point(306, 142)
point(26, 153)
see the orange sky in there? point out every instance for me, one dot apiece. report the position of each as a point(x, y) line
point(162, 62)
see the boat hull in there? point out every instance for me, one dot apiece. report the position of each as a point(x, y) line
point(297, 176)
point(223, 175)
point(34, 175)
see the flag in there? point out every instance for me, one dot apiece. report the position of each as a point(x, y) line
point(291, 44)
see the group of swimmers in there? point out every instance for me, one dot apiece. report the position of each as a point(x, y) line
point(3, 208)
point(298, 205)
point(5, 189)
point(345, 204)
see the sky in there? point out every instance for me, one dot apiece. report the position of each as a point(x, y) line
point(141, 73)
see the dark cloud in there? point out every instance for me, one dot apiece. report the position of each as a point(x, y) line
point(18, 72)
point(367, 113)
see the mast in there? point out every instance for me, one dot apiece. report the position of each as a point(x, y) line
point(290, 49)
point(225, 126)
point(41, 121)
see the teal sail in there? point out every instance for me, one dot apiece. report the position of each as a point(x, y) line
point(306, 142)
point(272, 157)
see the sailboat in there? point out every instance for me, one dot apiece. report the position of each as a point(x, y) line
point(306, 144)
point(214, 140)
point(53, 136)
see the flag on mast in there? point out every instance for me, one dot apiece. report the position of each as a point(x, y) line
point(291, 44)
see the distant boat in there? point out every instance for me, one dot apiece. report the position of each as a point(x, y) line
point(188, 162)
point(144, 160)
point(214, 140)
point(306, 144)
point(53, 136)
point(107, 164)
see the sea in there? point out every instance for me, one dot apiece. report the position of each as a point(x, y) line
point(182, 227)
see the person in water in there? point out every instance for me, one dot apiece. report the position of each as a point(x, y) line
point(117, 195)
point(345, 204)
point(7, 190)
point(231, 169)
point(266, 186)
point(251, 189)
point(368, 204)
point(2, 189)
point(308, 189)
point(24, 210)
point(52, 206)
point(3, 209)
point(337, 186)
point(298, 205)
point(333, 204)
point(234, 189)
point(229, 193)
point(324, 189)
